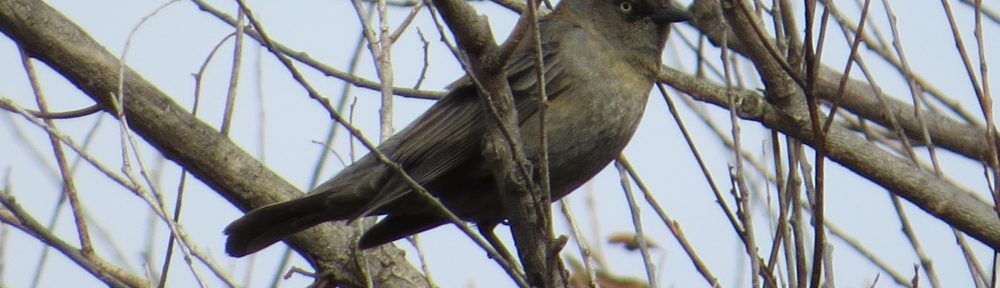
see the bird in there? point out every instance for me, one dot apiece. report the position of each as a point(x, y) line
point(601, 58)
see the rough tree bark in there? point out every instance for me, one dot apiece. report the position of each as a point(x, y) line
point(52, 38)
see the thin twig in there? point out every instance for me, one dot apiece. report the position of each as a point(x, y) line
point(377, 153)
point(93, 264)
point(640, 236)
point(77, 113)
point(303, 58)
point(581, 243)
point(672, 226)
point(68, 184)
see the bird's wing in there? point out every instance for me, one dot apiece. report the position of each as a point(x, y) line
point(450, 132)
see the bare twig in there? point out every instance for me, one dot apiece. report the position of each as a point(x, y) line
point(69, 185)
point(530, 218)
point(672, 226)
point(89, 110)
point(938, 197)
point(219, 163)
point(379, 156)
point(101, 269)
point(581, 244)
point(315, 64)
point(637, 223)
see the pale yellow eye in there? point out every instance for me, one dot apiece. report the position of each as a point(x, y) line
point(625, 7)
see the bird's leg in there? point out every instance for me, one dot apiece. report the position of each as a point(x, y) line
point(486, 229)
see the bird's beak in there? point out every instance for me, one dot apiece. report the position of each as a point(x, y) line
point(671, 14)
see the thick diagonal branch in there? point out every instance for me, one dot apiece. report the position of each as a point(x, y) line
point(214, 159)
point(859, 97)
point(946, 201)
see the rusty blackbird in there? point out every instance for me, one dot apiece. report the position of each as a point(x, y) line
point(601, 58)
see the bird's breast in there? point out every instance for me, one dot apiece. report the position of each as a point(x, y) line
point(588, 124)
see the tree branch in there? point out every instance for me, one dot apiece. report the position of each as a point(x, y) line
point(858, 97)
point(52, 38)
point(946, 201)
point(502, 147)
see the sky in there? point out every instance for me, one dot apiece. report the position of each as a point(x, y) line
point(171, 45)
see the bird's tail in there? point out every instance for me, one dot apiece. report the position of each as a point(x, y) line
point(262, 227)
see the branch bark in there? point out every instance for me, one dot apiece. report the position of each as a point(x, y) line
point(859, 97)
point(946, 201)
point(502, 147)
point(52, 38)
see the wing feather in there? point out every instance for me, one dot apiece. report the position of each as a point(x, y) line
point(450, 132)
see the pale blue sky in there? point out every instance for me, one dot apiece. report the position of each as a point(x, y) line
point(173, 44)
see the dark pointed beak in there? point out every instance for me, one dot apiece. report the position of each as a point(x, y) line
point(671, 14)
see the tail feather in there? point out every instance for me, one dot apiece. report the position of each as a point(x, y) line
point(265, 226)
point(394, 227)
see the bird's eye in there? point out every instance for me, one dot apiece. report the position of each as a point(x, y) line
point(625, 7)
